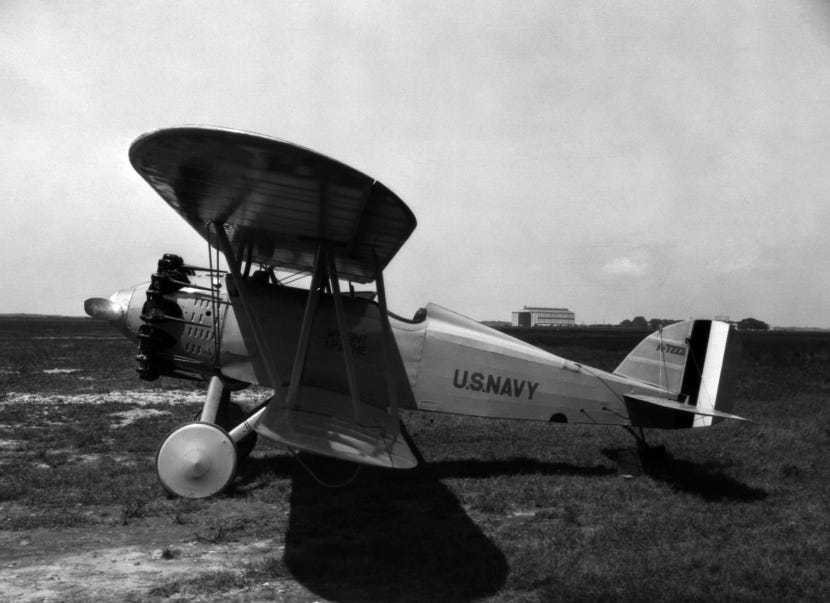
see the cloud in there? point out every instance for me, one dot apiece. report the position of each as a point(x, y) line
point(739, 258)
point(625, 266)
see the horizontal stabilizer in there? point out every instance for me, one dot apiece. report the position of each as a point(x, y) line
point(632, 400)
point(327, 426)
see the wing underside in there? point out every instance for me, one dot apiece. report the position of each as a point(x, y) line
point(274, 199)
point(328, 423)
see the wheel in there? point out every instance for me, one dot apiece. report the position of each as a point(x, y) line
point(196, 460)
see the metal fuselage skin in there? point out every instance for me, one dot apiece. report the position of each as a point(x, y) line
point(441, 361)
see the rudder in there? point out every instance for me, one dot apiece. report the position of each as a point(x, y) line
point(695, 362)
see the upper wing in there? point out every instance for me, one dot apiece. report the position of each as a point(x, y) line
point(276, 199)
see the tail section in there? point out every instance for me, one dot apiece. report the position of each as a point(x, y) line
point(695, 363)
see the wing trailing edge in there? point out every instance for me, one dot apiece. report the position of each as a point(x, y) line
point(327, 423)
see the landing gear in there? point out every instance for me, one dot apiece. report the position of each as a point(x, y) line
point(199, 459)
point(196, 460)
point(229, 415)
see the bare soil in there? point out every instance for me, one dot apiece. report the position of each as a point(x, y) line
point(118, 563)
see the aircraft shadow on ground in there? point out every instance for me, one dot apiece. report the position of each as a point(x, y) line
point(514, 466)
point(704, 479)
point(387, 536)
point(391, 535)
point(403, 535)
point(263, 468)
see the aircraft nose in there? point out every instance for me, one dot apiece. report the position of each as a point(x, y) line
point(114, 308)
point(102, 309)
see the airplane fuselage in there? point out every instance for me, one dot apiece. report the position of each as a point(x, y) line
point(443, 362)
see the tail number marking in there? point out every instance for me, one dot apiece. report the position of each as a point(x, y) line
point(671, 349)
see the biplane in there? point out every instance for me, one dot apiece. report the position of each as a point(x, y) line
point(339, 364)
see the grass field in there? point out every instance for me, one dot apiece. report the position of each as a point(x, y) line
point(500, 510)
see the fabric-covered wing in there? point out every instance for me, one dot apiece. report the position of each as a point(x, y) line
point(325, 423)
point(276, 199)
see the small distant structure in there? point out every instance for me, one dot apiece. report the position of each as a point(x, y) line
point(543, 316)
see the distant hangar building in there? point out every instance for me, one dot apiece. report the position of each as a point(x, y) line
point(541, 316)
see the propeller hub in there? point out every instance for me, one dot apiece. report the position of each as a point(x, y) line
point(112, 309)
point(103, 309)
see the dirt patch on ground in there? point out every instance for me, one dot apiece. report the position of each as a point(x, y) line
point(132, 397)
point(140, 547)
point(117, 563)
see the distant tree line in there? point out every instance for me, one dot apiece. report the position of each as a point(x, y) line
point(640, 322)
point(752, 324)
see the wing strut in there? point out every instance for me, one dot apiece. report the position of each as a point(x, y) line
point(340, 313)
point(319, 421)
point(388, 343)
point(305, 330)
point(265, 354)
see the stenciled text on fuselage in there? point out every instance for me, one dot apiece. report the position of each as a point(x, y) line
point(494, 384)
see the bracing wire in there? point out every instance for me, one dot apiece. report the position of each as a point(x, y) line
point(611, 389)
point(214, 299)
point(591, 372)
point(292, 278)
point(319, 480)
point(663, 362)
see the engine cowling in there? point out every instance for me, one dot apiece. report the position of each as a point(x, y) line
point(179, 319)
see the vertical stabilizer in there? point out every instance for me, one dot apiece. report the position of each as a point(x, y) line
point(695, 363)
point(660, 358)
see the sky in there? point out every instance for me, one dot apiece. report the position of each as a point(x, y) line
point(663, 159)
